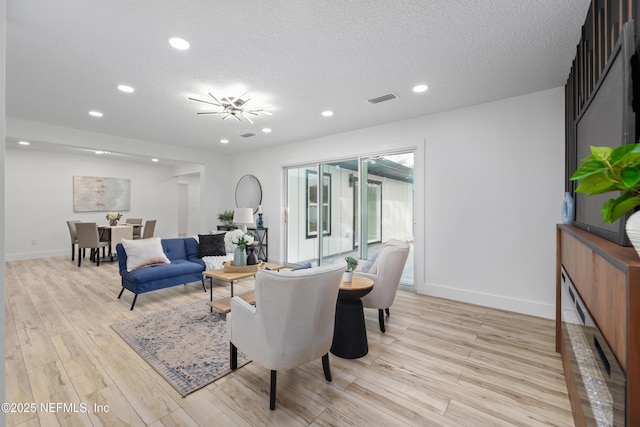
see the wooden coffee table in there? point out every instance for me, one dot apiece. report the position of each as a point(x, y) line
point(231, 278)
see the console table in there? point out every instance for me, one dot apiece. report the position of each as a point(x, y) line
point(261, 239)
point(607, 277)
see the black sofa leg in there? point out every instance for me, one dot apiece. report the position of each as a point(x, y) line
point(326, 367)
point(134, 301)
point(233, 357)
point(381, 319)
point(203, 286)
point(272, 391)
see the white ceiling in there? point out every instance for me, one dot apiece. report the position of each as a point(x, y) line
point(66, 57)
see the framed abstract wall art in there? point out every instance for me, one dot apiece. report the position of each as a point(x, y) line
point(99, 194)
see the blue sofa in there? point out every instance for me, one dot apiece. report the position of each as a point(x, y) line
point(185, 268)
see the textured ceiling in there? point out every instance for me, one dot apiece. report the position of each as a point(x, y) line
point(66, 57)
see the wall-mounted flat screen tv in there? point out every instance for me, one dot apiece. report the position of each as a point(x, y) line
point(607, 119)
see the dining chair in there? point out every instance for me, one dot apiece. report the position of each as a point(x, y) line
point(73, 234)
point(119, 232)
point(88, 238)
point(385, 272)
point(136, 230)
point(291, 323)
point(149, 228)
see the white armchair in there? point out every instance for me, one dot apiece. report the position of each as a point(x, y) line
point(385, 272)
point(292, 322)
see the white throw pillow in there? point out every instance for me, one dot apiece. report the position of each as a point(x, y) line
point(144, 252)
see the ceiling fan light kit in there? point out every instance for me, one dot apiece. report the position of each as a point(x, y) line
point(234, 107)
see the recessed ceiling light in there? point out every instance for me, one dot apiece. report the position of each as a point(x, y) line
point(266, 130)
point(178, 43)
point(224, 141)
point(327, 113)
point(24, 143)
point(95, 113)
point(154, 160)
point(125, 88)
point(420, 88)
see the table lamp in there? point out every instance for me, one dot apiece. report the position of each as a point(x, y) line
point(242, 217)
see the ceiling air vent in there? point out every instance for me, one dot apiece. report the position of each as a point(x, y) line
point(383, 98)
point(248, 135)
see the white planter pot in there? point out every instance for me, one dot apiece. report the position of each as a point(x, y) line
point(633, 230)
point(347, 276)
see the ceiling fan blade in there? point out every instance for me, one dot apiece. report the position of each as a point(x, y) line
point(246, 117)
point(206, 102)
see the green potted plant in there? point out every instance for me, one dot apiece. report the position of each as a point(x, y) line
point(614, 169)
point(226, 217)
point(352, 264)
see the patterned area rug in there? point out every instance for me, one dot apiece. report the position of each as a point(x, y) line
point(187, 345)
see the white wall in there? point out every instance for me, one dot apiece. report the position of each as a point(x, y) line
point(214, 170)
point(2, 181)
point(39, 198)
point(488, 186)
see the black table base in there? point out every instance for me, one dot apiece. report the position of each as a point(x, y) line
point(350, 332)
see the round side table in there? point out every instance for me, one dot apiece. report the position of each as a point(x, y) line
point(350, 332)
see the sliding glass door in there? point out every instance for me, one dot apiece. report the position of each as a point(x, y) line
point(330, 214)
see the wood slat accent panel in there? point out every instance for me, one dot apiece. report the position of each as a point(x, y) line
point(607, 276)
point(599, 34)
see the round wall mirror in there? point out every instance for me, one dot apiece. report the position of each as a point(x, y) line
point(249, 193)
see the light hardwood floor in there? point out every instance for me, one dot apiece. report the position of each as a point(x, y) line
point(441, 363)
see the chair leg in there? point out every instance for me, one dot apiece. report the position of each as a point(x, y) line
point(203, 286)
point(134, 301)
point(79, 257)
point(73, 251)
point(326, 368)
point(98, 256)
point(272, 391)
point(120, 294)
point(381, 319)
point(233, 357)
point(387, 310)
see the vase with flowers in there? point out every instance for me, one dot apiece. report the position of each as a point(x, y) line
point(240, 240)
point(113, 218)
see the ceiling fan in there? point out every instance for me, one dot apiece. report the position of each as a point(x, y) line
point(232, 107)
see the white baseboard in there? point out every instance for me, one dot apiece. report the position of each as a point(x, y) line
point(490, 300)
point(37, 255)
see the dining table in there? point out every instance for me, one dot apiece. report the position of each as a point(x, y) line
point(104, 233)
